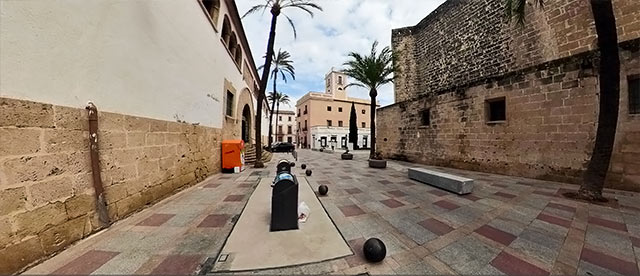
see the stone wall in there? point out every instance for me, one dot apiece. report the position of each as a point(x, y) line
point(46, 193)
point(548, 134)
point(468, 40)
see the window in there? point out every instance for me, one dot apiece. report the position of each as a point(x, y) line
point(279, 138)
point(339, 109)
point(426, 117)
point(340, 80)
point(364, 125)
point(229, 111)
point(298, 112)
point(289, 129)
point(328, 108)
point(305, 109)
point(329, 123)
point(280, 118)
point(364, 111)
point(298, 125)
point(339, 123)
point(634, 94)
point(328, 82)
point(238, 55)
point(289, 139)
point(289, 118)
point(305, 124)
point(213, 8)
point(280, 129)
point(226, 30)
point(496, 110)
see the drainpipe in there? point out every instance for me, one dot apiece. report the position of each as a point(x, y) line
point(101, 203)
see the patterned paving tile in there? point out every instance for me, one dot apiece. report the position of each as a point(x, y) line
point(212, 185)
point(353, 191)
point(392, 203)
point(635, 241)
point(609, 262)
point(385, 182)
point(512, 265)
point(496, 234)
point(351, 210)
point(156, 220)
point(178, 265)
point(397, 193)
point(436, 226)
point(561, 207)
point(234, 198)
point(554, 220)
point(214, 221)
point(438, 192)
point(446, 205)
point(86, 263)
point(608, 223)
point(505, 195)
point(471, 197)
point(545, 193)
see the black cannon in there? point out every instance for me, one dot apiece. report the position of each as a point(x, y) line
point(284, 199)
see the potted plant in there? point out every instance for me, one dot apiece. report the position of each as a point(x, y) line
point(346, 155)
point(377, 161)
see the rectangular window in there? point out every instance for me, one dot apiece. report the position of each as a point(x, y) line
point(298, 112)
point(280, 118)
point(289, 118)
point(339, 109)
point(339, 123)
point(496, 110)
point(280, 129)
point(305, 109)
point(340, 80)
point(426, 117)
point(229, 111)
point(364, 125)
point(634, 95)
point(305, 124)
point(328, 122)
point(298, 125)
point(328, 108)
point(364, 111)
point(289, 130)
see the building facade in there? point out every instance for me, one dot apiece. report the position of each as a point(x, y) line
point(285, 120)
point(323, 118)
point(171, 80)
point(477, 92)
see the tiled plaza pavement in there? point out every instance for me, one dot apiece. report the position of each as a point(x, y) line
point(508, 225)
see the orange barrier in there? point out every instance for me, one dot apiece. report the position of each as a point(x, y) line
point(232, 156)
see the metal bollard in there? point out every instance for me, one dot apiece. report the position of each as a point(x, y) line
point(284, 199)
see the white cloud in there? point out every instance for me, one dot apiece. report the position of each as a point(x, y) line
point(324, 41)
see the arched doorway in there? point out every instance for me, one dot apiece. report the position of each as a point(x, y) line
point(246, 124)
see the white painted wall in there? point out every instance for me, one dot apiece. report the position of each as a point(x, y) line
point(318, 132)
point(150, 58)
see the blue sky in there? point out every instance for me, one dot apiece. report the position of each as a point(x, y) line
point(325, 40)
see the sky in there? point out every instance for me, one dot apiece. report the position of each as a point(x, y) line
point(325, 40)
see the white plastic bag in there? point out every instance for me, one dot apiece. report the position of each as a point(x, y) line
point(303, 212)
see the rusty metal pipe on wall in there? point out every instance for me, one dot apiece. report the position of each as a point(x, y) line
point(101, 203)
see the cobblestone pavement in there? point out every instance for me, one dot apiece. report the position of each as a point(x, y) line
point(508, 225)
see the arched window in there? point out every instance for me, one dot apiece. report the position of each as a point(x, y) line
point(238, 55)
point(226, 30)
point(232, 44)
point(213, 8)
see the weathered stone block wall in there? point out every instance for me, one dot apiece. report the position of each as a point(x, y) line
point(464, 41)
point(549, 132)
point(46, 193)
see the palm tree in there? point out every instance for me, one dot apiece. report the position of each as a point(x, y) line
point(371, 71)
point(353, 127)
point(281, 99)
point(609, 80)
point(275, 7)
point(283, 65)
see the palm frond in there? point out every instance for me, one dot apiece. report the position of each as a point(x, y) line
point(254, 9)
point(372, 70)
point(293, 26)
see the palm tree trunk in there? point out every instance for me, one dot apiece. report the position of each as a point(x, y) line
point(263, 86)
point(609, 76)
point(277, 112)
point(373, 94)
point(273, 105)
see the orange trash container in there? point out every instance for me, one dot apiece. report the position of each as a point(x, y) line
point(232, 156)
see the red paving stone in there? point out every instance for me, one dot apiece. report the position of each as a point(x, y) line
point(512, 265)
point(446, 204)
point(435, 226)
point(214, 221)
point(156, 220)
point(496, 235)
point(561, 207)
point(635, 241)
point(234, 198)
point(178, 265)
point(397, 193)
point(357, 258)
point(554, 220)
point(353, 191)
point(504, 195)
point(351, 210)
point(392, 203)
point(608, 223)
point(438, 192)
point(212, 185)
point(471, 197)
point(609, 262)
point(87, 263)
point(385, 182)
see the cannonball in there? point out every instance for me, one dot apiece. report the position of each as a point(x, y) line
point(323, 189)
point(292, 164)
point(308, 172)
point(303, 166)
point(374, 250)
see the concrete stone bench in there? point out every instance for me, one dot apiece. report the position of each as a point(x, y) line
point(449, 182)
